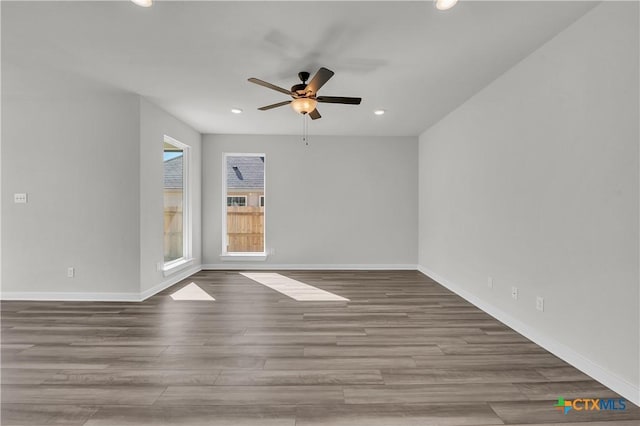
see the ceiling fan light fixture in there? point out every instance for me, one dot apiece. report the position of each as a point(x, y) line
point(304, 105)
point(445, 4)
point(143, 3)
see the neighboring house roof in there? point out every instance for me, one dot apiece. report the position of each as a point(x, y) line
point(173, 173)
point(245, 172)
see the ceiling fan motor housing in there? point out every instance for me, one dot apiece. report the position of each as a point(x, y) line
point(299, 88)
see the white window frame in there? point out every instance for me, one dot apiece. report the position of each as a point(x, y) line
point(241, 256)
point(187, 229)
point(236, 196)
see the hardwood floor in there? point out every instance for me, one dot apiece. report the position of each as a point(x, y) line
point(403, 351)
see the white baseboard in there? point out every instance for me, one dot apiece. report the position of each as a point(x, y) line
point(59, 296)
point(308, 267)
point(100, 297)
point(614, 382)
point(173, 279)
point(179, 276)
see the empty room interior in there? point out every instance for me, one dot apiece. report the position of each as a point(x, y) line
point(305, 213)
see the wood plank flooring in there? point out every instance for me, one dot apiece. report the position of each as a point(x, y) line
point(403, 351)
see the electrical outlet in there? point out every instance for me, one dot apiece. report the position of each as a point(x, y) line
point(540, 303)
point(490, 282)
point(71, 272)
point(514, 293)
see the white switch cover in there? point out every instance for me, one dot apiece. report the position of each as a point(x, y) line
point(540, 303)
point(490, 282)
point(514, 292)
point(20, 198)
point(71, 272)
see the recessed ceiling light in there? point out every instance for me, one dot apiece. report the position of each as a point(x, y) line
point(379, 112)
point(236, 110)
point(143, 3)
point(445, 4)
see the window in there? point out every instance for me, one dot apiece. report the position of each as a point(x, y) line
point(244, 213)
point(235, 200)
point(177, 224)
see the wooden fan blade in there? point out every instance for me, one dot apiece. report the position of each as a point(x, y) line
point(279, 104)
point(315, 114)
point(322, 76)
point(270, 86)
point(338, 100)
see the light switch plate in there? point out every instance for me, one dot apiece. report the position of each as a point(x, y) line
point(20, 198)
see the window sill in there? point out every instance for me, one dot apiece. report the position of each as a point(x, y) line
point(243, 257)
point(176, 266)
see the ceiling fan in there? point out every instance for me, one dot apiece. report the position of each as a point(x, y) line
point(304, 95)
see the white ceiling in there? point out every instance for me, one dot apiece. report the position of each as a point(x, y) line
point(193, 58)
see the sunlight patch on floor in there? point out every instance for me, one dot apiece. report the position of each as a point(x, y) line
point(292, 288)
point(191, 292)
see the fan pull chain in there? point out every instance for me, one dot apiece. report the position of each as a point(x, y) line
point(305, 129)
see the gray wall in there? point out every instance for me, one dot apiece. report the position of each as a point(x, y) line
point(154, 124)
point(90, 159)
point(534, 182)
point(75, 152)
point(339, 201)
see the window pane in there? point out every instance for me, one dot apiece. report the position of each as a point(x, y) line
point(237, 201)
point(173, 202)
point(245, 205)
